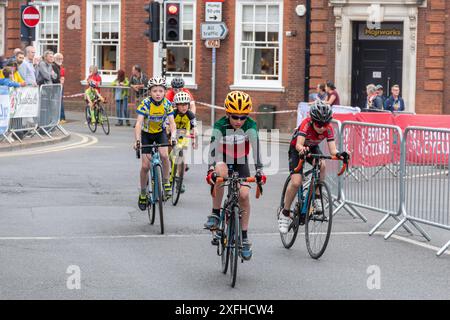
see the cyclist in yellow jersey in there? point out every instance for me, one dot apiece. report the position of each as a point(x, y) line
point(186, 123)
point(150, 127)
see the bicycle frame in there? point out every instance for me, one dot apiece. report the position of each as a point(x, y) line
point(156, 160)
point(310, 196)
point(176, 153)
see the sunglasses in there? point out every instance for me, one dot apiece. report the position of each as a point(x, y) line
point(320, 125)
point(242, 118)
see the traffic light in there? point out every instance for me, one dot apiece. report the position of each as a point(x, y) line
point(154, 21)
point(172, 21)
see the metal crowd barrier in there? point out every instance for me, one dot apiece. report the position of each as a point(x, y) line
point(50, 109)
point(4, 114)
point(373, 181)
point(20, 127)
point(425, 183)
point(332, 169)
point(46, 106)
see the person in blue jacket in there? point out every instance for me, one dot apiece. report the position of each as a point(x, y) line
point(7, 82)
point(394, 102)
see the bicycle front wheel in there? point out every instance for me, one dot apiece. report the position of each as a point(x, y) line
point(225, 257)
point(318, 223)
point(177, 182)
point(288, 239)
point(92, 125)
point(103, 119)
point(234, 245)
point(151, 208)
point(159, 194)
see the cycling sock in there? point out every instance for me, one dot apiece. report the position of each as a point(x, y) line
point(143, 192)
point(244, 234)
point(216, 212)
point(286, 212)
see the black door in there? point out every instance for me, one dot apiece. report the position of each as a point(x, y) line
point(377, 62)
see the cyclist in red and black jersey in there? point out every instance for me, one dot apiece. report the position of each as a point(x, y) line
point(311, 132)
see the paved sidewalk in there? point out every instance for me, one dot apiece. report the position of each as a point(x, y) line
point(34, 141)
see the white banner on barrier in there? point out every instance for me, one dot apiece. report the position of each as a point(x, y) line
point(4, 109)
point(303, 110)
point(24, 102)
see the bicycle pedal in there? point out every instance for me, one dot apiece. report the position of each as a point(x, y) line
point(215, 242)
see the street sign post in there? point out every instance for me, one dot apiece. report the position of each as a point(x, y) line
point(213, 12)
point(30, 18)
point(211, 31)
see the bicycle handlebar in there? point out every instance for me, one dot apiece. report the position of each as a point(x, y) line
point(139, 147)
point(219, 180)
point(320, 156)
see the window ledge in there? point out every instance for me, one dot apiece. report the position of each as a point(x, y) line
point(257, 88)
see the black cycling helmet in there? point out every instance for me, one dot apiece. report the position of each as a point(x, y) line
point(177, 83)
point(321, 112)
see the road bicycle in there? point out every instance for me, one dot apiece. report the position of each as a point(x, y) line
point(228, 236)
point(317, 223)
point(155, 183)
point(100, 118)
point(177, 165)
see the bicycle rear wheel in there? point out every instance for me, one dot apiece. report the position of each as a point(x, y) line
point(234, 245)
point(318, 224)
point(103, 119)
point(91, 125)
point(288, 239)
point(177, 182)
point(159, 194)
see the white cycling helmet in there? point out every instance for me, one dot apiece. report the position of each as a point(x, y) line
point(182, 97)
point(157, 81)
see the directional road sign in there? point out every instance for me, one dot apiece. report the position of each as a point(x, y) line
point(210, 31)
point(213, 12)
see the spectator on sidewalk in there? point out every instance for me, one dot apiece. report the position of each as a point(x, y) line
point(333, 96)
point(44, 71)
point(13, 57)
point(394, 102)
point(380, 92)
point(26, 69)
point(7, 80)
point(121, 96)
point(138, 82)
point(94, 76)
point(61, 72)
point(36, 61)
point(320, 94)
point(15, 75)
point(373, 101)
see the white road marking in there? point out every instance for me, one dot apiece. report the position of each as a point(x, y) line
point(86, 141)
point(149, 236)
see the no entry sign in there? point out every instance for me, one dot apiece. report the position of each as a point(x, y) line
point(31, 16)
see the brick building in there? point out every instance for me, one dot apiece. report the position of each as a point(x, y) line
point(352, 42)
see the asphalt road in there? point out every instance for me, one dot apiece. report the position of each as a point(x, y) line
point(74, 207)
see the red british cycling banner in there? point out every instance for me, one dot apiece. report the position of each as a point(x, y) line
point(425, 147)
point(374, 144)
point(371, 146)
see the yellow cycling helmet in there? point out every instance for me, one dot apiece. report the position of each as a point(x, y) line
point(238, 102)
